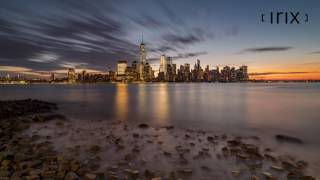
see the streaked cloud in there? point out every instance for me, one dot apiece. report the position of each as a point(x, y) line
point(266, 49)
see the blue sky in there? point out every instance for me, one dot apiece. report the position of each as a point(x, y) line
point(39, 36)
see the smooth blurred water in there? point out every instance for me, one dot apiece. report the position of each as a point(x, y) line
point(241, 109)
point(292, 108)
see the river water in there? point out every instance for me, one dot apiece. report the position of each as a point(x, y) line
point(240, 108)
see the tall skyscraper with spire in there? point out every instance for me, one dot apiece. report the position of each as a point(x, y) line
point(143, 61)
point(142, 52)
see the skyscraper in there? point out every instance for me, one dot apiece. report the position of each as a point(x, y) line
point(142, 63)
point(142, 53)
point(71, 75)
point(121, 68)
point(162, 64)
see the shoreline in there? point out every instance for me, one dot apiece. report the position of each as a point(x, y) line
point(38, 143)
point(85, 83)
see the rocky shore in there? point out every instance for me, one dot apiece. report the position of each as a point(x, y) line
point(38, 143)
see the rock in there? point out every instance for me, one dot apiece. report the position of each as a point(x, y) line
point(235, 173)
point(133, 173)
point(112, 177)
point(288, 165)
point(90, 177)
point(94, 149)
point(205, 168)
point(302, 164)
point(169, 127)
point(186, 171)
point(224, 136)
point(136, 149)
point(253, 177)
point(267, 175)
point(166, 153)
point(148, 174)
point(157, 178)
point(241, 156)
point(75, 166)
point(285, 138)
point(277, 168)
point(135, 135)
point(307, 178)
point(143, 126)
point(234, 142)
point(72, 176)
point(272, 158)
point(32, 177)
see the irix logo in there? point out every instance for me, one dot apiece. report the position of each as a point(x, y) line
point(284, 17)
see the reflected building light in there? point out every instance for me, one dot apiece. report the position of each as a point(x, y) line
point(142, 98)
point(121, 102)
point(162, 108)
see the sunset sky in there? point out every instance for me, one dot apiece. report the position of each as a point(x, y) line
point(39, 37)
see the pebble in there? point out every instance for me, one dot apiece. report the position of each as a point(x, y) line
point(90, 177)
point(235, 173)
point(143, 126)
point(267, 175)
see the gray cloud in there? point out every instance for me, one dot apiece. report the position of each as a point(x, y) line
point(93, 35)
point(188, 55)
point(181, 56)
point(267, 49)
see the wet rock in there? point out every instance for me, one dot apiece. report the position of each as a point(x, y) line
point(277, 168)
point(148, 174)
point(113, 177)
point(167, 153)
point(210, 138)
point(234, 142)
point(289, 139)
point(135, 135)
point(128, 157)
point(169, 127)
point(143, 126)
point(272, 158)
point(205, 168)
point(224, 136)
point(94, 149)
point(302, 164)
point(267, 175)
point(72, 176)
point(241, 156)
point(157, 178)
point(136, 149)
point(75, 166)
point(288, 165)
point(132, 173)
point(185, 171)
point(235, 173)
point(90, 177)
point(307, 178)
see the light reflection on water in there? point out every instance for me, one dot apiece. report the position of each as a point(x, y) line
point(291, 108)
point(241, 109)
point(121, 102)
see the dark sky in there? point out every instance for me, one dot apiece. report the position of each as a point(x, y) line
point(38, 36)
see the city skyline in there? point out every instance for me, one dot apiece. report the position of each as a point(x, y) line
point(39, 38)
